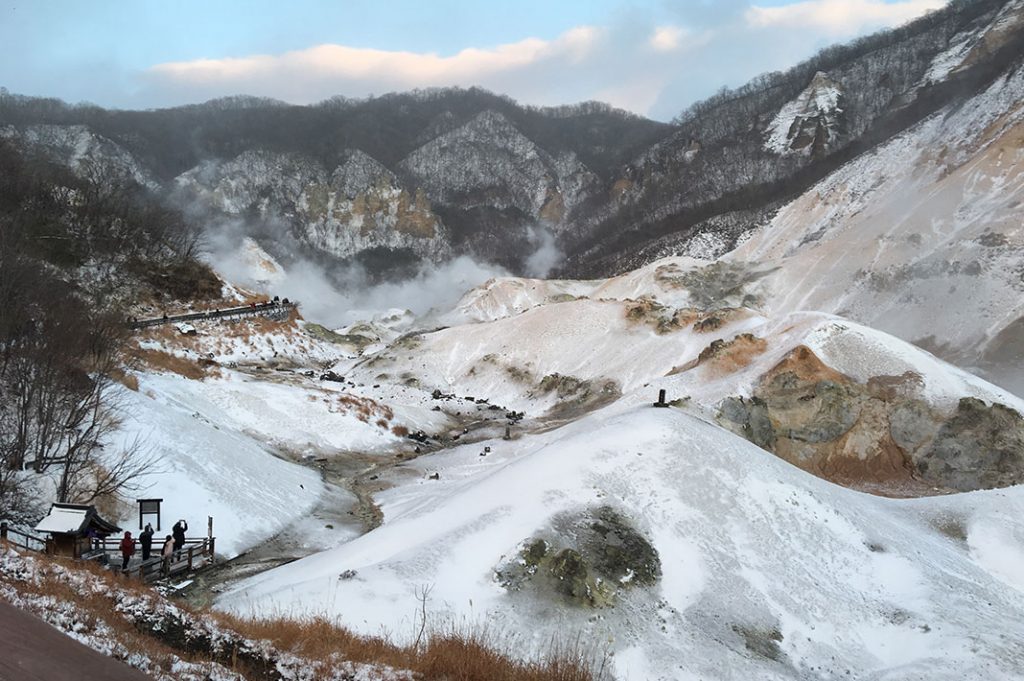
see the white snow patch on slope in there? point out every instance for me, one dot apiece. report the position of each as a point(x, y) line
point(920, 238)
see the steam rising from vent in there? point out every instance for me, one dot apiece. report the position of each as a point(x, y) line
point(344, 295)
point(540, 263)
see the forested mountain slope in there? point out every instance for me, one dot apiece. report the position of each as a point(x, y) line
point(431, 174)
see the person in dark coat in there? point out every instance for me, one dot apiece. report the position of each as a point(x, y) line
point(146, 539)
point(178, 531)
point(127, 549)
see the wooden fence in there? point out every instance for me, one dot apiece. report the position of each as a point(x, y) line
point(20, 539)
point(197, 552)
point(269, 309)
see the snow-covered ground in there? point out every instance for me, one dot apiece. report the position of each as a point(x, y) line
point(765, 570)
point(209, 466)
point(842, 581)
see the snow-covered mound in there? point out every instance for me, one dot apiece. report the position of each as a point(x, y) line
point(759, 570)
point(236, 413)
point(841, 400)
point(679, 281)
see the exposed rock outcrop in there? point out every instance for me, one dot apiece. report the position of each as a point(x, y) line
point(358, 206)
point(881, 435)
point(587, 560)
point(489, 162)
point(811, 123)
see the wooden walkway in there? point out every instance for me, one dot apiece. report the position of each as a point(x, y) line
point(272, 309)
point(198, 552)
point(195, 554)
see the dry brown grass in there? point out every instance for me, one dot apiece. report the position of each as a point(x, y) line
point(448, 655)
point(126, 378)
point(364, 409)
point(166, 362)
point(317, 639)
point(474, 657)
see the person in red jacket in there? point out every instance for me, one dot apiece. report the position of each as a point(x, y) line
point(127, 549)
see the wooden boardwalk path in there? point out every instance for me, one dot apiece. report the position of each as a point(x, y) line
point(272, 309)
point(197, 553)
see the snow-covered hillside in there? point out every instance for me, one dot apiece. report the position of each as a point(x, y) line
point(922, 238)
point(764, 570)
point(678, 547)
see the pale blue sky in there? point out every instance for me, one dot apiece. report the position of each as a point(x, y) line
point(650, 56)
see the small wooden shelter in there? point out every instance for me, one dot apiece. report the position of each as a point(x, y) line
point(71, 529)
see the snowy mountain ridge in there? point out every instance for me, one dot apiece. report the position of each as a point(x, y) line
point(464, 172)
point(920, 237)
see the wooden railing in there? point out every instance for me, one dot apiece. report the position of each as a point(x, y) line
point(269, 309)
point(195, 553)
point(21, 539)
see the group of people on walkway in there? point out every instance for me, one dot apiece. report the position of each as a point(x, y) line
point(172, 547)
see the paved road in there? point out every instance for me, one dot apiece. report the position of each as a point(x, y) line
point(32, 650)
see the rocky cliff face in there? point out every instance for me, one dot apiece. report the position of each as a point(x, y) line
point(356, 207)
point(83, 150)
point(811, 123)
point(489, 163)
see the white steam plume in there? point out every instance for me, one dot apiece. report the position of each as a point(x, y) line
point(540, 263)
point(349, 297)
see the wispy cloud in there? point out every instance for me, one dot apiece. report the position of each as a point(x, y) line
point(839, 17)
point(648, 62)
point(666, 38)
point(328, 66)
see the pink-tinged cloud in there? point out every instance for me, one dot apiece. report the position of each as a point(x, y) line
point(666, 38)
point(840, 17)
point(398, 68)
